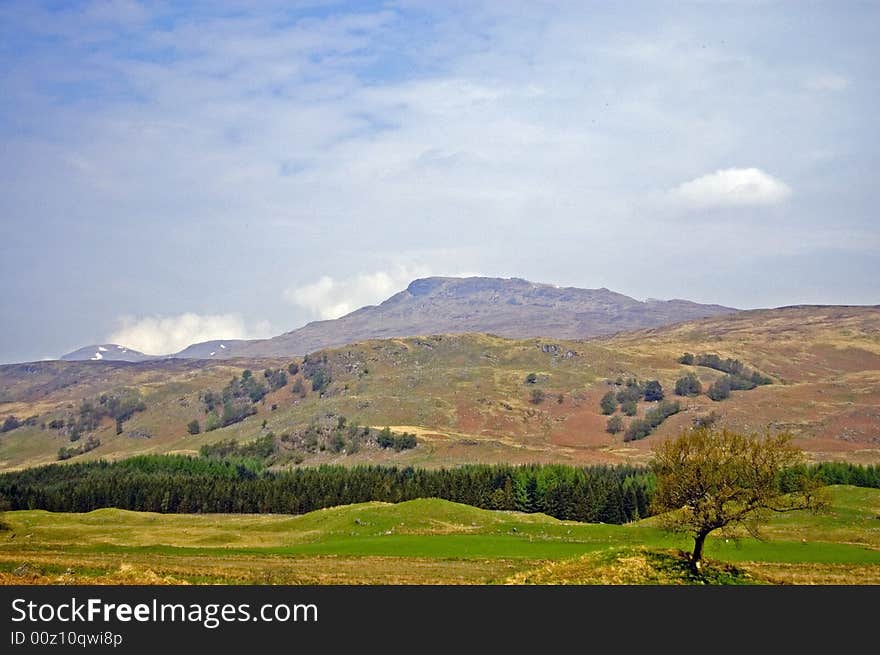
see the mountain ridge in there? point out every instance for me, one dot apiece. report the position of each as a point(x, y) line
point(508, 307)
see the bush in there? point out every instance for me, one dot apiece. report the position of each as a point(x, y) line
point(298, 388)
point(629, 393)
point(641, 428)
point(261, 448)
point(90, 444)
point(653, 391)
point(235, 411)
point(531, 378)
point(316, 369)
point(739, 383)
point(629, 408)
point(212, 422)
point(537, 396)
point(293, 368)
point(614, 425)
point(276, 378)
point(387, 439)
point(10, 424)
point(193, 427)
point(686, 359)
point(664, 410)
point(608, 404)
point(638, 429)
point(720, 389)
point(320, 380)
point(689, 385)
point(732, 366)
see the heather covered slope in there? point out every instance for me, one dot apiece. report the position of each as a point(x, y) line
point(471, 398)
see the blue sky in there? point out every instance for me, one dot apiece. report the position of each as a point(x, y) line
point(178, 172)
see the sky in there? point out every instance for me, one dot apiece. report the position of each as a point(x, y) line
point(177, 172)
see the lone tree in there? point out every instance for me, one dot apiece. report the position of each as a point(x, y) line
point(712, 479)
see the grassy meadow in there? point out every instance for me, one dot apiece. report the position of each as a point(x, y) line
point(429, 541)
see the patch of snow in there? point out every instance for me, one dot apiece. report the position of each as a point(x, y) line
point(213, 353)
point(222, 346)
point(120, 348)
point(97, 356)
point(102, 349)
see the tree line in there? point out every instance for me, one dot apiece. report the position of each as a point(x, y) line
point(738, 377)
point(180, 484)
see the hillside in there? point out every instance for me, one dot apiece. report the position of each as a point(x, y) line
point(467, 397)
point(511, 308)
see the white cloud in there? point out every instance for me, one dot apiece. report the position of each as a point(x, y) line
point(732, 187)
point(331, 298)
point(827, 82)
point(164, 335)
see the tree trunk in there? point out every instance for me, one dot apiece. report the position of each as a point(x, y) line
point(697, 556)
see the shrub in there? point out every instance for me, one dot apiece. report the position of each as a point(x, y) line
point(298, 388)
point(629, 408)
point(687, 359)
point(689, 385)
point(10, 424)
point(614, 425)
point(664, 410)
point(320, 380)
point(212, 422)
point(276, 378)
point(404, 441)
point(608, 404)
point(531, 378)
point(720, 389)
point(638, 429)
point(193, 427)
point(641, 428)
point(537, 396)
point(653, 391)
point(90, 444)
point(235, 411)
point(629, 393)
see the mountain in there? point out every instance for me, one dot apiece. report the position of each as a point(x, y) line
point(513, 308)
point(106, 351)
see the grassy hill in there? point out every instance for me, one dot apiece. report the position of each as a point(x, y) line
point(467, 398)
point(428, 541)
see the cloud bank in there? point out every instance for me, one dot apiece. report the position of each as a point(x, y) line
point(328, 298)
point(165, 335)
point(732, 187)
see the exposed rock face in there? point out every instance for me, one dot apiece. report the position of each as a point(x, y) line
point(507, 307)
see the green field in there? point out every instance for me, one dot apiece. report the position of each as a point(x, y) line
point(428, 541)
